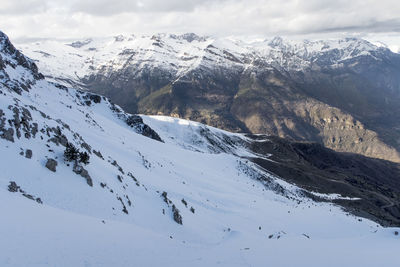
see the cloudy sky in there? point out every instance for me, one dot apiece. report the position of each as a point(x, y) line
point(373, 19)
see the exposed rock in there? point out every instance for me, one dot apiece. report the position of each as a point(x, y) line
point(114, 163)
point(14, 58)
point(28, 153)
point(177, 215)
point(51, 164)
point(175, 211)
point(59, 139)
point(136, 122)
point(124, 209)
point(98, 153)
point(78, 169)
point(184, 202)
point(165, 197)
point(95, 98)
point(87, 147)
point(8, 134)
point(13, 187)
point(28, 196)
point(134, 179)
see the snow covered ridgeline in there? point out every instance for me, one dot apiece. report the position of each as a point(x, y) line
point(180, 54)
point(229, 218)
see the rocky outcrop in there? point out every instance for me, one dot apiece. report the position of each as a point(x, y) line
point(10, 57)
point(175, 211)
point(14, 188)
point(136, 122)
point(51, 164)
point(28, 154)
point(78, 169)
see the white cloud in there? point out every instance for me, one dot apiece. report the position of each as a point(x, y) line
point(83, 18)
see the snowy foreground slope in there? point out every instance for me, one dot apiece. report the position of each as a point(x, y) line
point(161, 191)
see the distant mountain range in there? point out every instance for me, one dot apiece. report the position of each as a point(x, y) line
point(344, 94)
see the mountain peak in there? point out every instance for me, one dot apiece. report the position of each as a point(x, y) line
point(277, 41)
point(16, 71)
point(79, 44)
point(189, 37)
point(5, 45)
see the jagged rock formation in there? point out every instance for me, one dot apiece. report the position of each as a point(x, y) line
point(11, 63)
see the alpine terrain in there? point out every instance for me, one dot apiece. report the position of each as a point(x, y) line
point(85, 183)
point(343, 94)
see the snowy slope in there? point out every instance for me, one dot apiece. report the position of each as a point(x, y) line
point(179, 54)
point(233, 213)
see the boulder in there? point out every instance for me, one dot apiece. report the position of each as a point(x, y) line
point(78, 169)
point(28, 154)
point(51, 164)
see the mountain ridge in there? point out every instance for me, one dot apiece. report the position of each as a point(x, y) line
point(272, 51)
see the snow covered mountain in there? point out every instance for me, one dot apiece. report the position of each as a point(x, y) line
point(344, 94)
point(166, 191)
point(177, 55)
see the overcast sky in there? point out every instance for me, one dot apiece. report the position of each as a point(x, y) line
point(374, 19)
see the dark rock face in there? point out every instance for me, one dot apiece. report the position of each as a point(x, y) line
point(374, 182)
point(177, 215)
point(136, 122)
point(91, 97)
point(13, 59)
point(95, 98)
point(51, 164)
